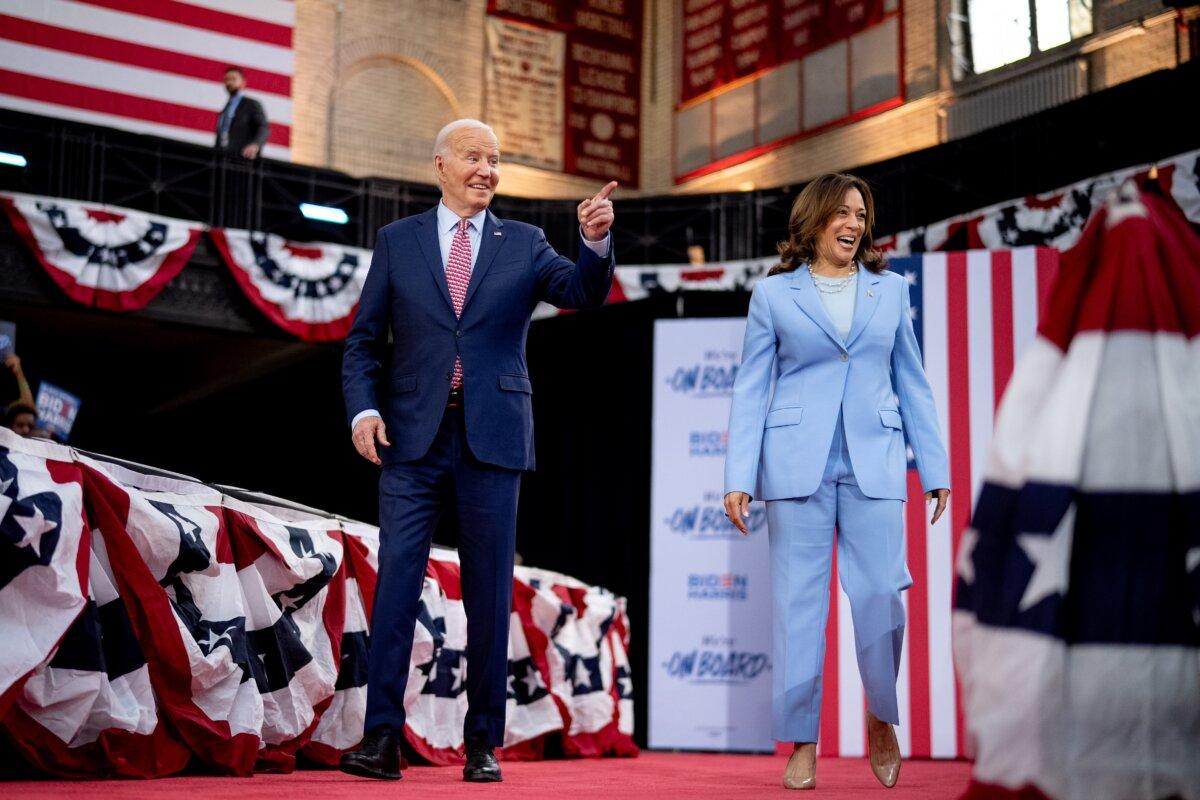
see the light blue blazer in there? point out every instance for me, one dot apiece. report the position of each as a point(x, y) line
point(779, 441)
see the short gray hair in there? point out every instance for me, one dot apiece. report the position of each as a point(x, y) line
point(443, 138)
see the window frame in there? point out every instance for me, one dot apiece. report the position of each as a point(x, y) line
point(1038, 57)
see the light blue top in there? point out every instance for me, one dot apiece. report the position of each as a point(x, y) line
point(779, 438)
point(839, 305)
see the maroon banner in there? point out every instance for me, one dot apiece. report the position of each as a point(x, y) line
point(752, 45)
point(844, 18)
point(802, 28)
point(723, 40)
point(705, 65)
point(604, 77)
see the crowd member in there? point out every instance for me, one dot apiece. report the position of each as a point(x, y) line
point(20, 418)
point(242, 125)
point(24, 393)
point(21, 414)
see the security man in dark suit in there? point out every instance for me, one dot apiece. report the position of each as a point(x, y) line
point(242, 125)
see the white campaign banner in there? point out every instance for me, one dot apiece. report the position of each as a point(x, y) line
point(710, 587)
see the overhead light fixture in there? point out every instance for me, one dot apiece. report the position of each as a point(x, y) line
point(13, 159)
point(324, 213)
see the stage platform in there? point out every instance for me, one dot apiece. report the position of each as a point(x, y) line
point(651, 776)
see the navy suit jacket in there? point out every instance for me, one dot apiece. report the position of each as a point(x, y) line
point(408, 378)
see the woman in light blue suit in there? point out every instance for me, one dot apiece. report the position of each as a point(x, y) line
point(830, 328)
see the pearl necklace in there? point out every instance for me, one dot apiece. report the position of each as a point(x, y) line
point(832, 285)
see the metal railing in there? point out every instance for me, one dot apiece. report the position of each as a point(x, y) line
point(1048, 149)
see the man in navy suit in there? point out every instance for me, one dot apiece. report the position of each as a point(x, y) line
point(242, 126)
point(445, 409)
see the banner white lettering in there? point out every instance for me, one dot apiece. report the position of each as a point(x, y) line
point(710, 587)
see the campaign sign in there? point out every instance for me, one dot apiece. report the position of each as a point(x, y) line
point(710, 586)
point(8, 339)
point(56, 409)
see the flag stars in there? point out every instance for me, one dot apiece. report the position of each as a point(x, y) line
point(532, 680)
point(624, 684)
point(583, 679)
point(210, 642)
point(35, 526)
point(911, 277)
point(1051, 559)
point(287, 602)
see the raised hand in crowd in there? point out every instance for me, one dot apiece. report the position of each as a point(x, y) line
point(24, 393)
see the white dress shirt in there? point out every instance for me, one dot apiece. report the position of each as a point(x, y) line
point(447, 222)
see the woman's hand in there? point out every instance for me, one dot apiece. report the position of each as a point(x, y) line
point(941, 494)
point(737, 508)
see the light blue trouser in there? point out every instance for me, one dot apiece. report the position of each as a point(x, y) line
point(870, 547)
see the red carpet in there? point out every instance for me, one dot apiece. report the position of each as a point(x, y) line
point(651, 776)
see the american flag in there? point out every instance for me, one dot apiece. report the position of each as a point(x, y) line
point(149, 66)
point(974, 312)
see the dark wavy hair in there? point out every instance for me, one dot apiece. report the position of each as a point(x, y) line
point(813, 210)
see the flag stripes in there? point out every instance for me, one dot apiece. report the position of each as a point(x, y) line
point(974, 313)
point(149, 67)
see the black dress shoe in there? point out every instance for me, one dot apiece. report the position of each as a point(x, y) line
point(377, 757)
point(482, 766)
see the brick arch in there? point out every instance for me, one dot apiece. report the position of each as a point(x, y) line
point(377, 59)
point(366, 48)
point(359, 53)
point(384, 111)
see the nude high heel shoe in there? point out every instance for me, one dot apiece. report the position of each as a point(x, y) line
point(884, 750)
point(801, 771)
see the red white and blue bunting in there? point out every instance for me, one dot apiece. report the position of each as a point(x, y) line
point(310, 290)
point(1077, 605)
point(119, 259)
point(1052, 219)
point(102, 256)
point(151, 622)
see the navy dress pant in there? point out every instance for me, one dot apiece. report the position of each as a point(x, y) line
point(412, 497)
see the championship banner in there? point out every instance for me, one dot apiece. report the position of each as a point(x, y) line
point(604, 91)
point(155, 622)
point(710, 587)
point(725, 40)
point(102, 256)
point(310, 290)
point(523, 79)
point(564, 84)
point(1077, 604)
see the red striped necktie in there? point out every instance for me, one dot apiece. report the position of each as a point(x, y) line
point(458, 277)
